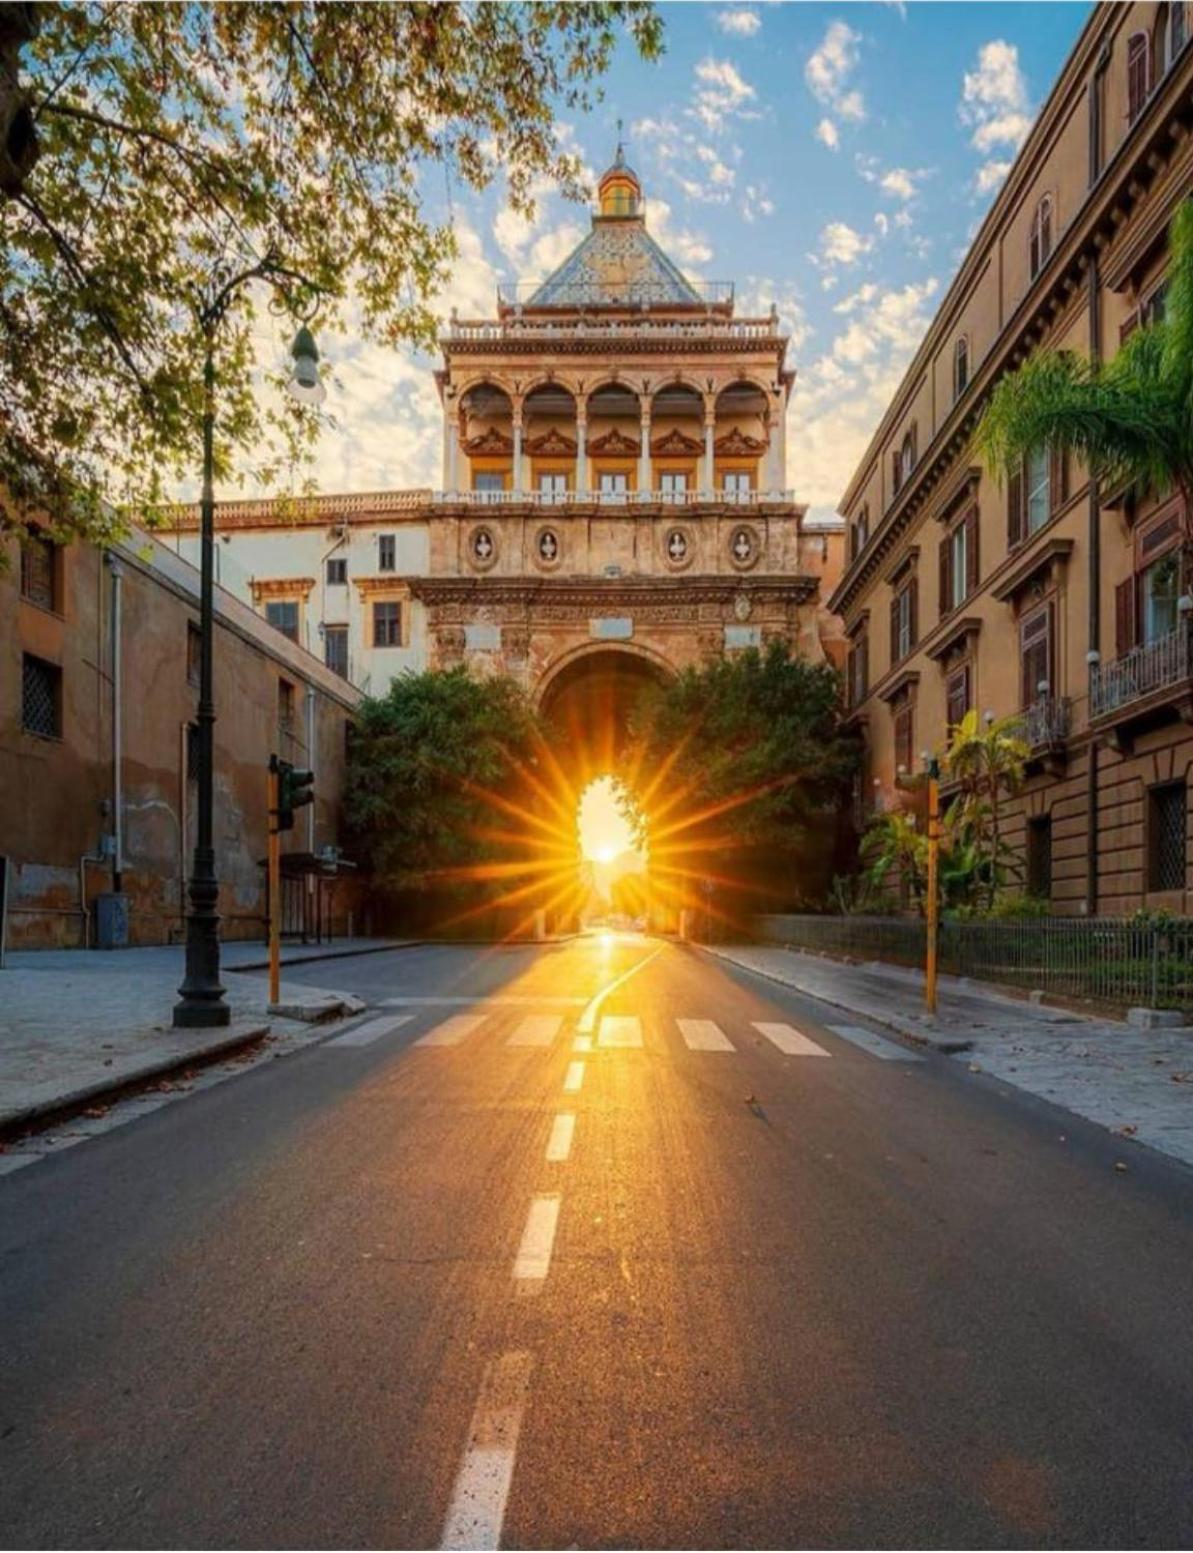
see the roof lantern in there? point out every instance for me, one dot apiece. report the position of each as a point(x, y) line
point(619, 192)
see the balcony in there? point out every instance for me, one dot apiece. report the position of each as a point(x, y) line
point(614, 498)
point(1045, 730)
point(1145, 686)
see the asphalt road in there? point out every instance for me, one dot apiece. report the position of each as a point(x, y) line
point(770, 1287)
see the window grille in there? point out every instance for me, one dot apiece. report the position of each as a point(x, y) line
point(1167, 836)
point(41, 697)
point(1039, 857)
point(37, 571)
point(335, 650)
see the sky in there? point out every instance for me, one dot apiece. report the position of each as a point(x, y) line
point(833, 159)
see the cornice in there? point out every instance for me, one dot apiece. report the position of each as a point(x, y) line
point(955, 633)
point(902, 681)
point(602, 593)
point(1029, 566)
point(278, 587)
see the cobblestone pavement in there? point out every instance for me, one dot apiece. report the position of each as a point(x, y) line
point(1138, 1083)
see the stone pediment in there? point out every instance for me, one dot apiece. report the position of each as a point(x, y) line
point(551, 444)
point(675, 444)
point(614, 443)
point(739, 444)
point(491, 441)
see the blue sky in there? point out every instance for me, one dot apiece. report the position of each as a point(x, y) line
point(834, 159)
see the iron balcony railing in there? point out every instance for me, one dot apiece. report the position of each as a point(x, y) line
point(1119, 962)
point(597, 293)
point(612, 498)
point(1046, 721)
point(1156, 665)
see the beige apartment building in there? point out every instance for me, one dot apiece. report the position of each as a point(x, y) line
point(1042, 595)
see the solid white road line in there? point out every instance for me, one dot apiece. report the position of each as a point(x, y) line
point(534, 1254)
point(575, 1077)
point(790, 1040)
point(559, 1144)
point(527, 1001)
point(371, 1030)
point(593, 1007)
point(702, 1035)
point(452, 1031)
point(889, 1051)
point(620, 1030)
point(483, 1482)
point(536, 1030)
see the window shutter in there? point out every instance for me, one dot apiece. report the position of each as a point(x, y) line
point(1058, 479)
point(972, 568)
point(1124, 617)
point(946, 576)
point(913, 592)
point(1137, 52)
point(1015, 507)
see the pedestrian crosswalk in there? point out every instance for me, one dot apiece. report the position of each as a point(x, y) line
point(493, 1021)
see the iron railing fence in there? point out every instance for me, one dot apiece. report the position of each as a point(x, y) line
point(1115, 961)
point(1046, 721)
point(1156, 665)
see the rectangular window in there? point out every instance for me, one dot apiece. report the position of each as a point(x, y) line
point(335, 649)
point(1039, 857)
point(903, 621)
point(736, 480)
point(614, 483)
point(337, 571)
point(1035, 651)
point(857, 671)
point(958, 564)
point(553, 485)
point(387, 624)
point(490, 480)
point(673, 481)
point(904, 738)
point(387, 553)
point(285, 705)
point(282, 615)
point(194, 652)
point(957, 695)
point(1159, 591)
point(38, 566)
point(1167, 836)
point(41, 697)
point(1038, 503)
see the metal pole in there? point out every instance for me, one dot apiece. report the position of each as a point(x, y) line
point(201, 997)
point(933, 891)
point(275, 891)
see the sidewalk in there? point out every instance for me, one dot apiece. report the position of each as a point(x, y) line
point(1136, 1082)
point(77, 1024)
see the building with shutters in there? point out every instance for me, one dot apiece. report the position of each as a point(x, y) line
point(1042, 595)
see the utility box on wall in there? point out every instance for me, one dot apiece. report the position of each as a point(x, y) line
point(111, 921)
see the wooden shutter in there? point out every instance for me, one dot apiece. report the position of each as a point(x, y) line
point(957, 695)
point(1016, 486)
point(972, 568)
point(1137, 52)
point(1058, 479)
point(1035, 639)
point(913, 599)
point(1124, 617)
point(946, 576)
point(895, 630)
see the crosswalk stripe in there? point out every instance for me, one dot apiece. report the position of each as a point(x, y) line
point(789, 1040)
point(371, 1030)
point(536, 1030)
point(703, 1035)
point(889, 1051)
point(452, 1031)
point(620, 1030)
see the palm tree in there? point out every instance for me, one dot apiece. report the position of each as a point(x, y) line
point(1130, 419)
point(893, 844)
point(988, 760)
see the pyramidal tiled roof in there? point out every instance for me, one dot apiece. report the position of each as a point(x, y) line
point(618, 262)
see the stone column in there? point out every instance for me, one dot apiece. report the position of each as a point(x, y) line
point(710, 427)
point(774, 480)
point(454, 433)
point(517, 417)
point(644, 450)
point(582, 449)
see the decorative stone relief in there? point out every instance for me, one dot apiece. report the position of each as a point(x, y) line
point(482, 548)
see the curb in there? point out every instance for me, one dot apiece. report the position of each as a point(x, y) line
point(331, 954)
point(238, 1036)
point(949, 1045)
point(320, 1010)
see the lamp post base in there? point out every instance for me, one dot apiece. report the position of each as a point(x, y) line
point(201, 1003)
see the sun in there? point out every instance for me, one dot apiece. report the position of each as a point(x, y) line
point(604, 831)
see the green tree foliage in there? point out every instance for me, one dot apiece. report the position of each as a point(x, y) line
point(743, 755)
point(1129, 419)
point(434, 776)
point(181, 141)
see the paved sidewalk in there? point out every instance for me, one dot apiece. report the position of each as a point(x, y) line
point(1136, 1082)
point(76, 1024)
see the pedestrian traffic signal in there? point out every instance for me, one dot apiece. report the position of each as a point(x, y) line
point(296, 788)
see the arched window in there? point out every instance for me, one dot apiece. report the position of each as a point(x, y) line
point(960, 366)
point(1177, 32)
point(1138, 74)
point(1041, 236)
point(907, 457)
point(1160, 41)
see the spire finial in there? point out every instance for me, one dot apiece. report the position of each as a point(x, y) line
point(619, 158)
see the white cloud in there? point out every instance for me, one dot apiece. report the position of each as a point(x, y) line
point(855, 299)
point(828, 134)
point(828, 70)
point(840, 244)
point(899, 182)
point(883, 222)
point(755, 203)
point(755, 297)
point(721, 93)
point(739, 21)
point(996, 107)
point(686, 247)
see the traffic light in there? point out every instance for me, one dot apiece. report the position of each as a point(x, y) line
point(295, 789)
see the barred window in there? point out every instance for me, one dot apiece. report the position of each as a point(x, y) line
point(1167, 836)
point(335, 649)
point(41, 697)
point(37, 571)
point(1039, 857)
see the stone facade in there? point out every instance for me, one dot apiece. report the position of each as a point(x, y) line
point(1043, 596)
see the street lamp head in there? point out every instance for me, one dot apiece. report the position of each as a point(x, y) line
point(305, 384)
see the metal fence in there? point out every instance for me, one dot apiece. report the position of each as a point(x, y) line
point(1109, 960)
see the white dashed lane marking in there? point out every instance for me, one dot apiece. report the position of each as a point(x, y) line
point(559, 1144)
point(575, 1077)
point(536, 1030)
point(889, 1051)
point(620, 1030)
point(790, 1041)
point(533, 1261)
point(452, 1031)
point(372, 1030)
point(482, 1486)
point(703, 1035)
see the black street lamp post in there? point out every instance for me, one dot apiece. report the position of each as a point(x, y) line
point(201, 997)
